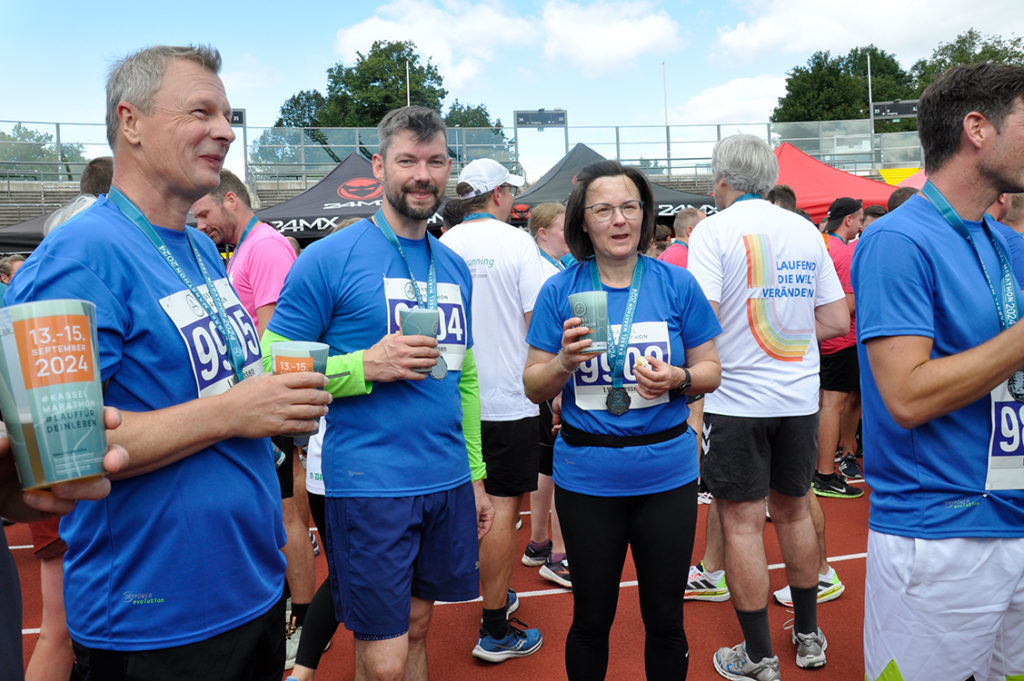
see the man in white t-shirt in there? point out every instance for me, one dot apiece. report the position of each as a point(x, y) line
point(769, 278)
point(507, 275)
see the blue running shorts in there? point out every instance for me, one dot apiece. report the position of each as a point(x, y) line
point(385, 550)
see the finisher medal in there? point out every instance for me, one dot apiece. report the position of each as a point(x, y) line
point(439, 370)
point(617, 401)
point(1016, 385)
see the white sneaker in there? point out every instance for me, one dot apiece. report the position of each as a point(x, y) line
point(829, 589)
point(810, 649)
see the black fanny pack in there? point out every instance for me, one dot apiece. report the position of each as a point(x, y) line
point(574, 437)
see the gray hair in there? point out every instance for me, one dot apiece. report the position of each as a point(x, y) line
point(136, 78)
point(746, 163)
point(422, 122)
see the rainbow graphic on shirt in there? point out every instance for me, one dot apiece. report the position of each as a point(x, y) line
point(771, 334)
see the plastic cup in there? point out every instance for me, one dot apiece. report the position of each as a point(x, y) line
point(420, 321)
point(51, 392)
point(291, 356)
point(592, 308)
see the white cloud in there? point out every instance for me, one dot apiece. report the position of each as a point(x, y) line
point(605, 35)
point(459, 37)
point(909, 30)
point(741, 100)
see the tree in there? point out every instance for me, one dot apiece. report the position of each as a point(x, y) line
point(32, 154)
point(466, 116)
point(830, 89)
point(967, 48)
point(823, 90)
point(360, 95)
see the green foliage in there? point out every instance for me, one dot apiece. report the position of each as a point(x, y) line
point(360, 95)
point(466, 116)
point(823, 90)
point(32, 154)
point(967, 48)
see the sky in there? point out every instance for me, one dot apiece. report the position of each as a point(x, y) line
point(606, 63)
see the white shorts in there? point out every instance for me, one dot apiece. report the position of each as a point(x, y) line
point(944, 609)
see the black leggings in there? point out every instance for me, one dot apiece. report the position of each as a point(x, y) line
point(597, 530)
point(321, 622)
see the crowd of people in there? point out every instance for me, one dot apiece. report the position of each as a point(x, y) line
point(748, 358)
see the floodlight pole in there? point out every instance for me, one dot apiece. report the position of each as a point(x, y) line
point(408, 95)
point(871, 112)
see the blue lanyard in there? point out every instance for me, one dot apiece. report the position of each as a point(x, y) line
point(218, 316)
point(617, 349)
point(749, 196)
point(837, 236)
point(389, 234)
point(477, 216)
point(245, 233)
point(551, 259)
point(1006, 299)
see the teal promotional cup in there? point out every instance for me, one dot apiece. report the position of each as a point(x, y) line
point(592, 308)
point(291, 356)
point(419, 321)
point(51, 392)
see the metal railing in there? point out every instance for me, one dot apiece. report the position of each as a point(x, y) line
point(55, 152)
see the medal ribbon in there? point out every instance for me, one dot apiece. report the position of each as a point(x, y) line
point(478, 216)
point(749, 196)
point(389, 234)
point(238, 246)
point(617, 349)
point(217, 314)
point(1006, 300)
point(551, 259)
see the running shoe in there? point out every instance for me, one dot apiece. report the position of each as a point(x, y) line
point(834, 486)
point(557, 572)
point(315, 543)
point(511, 603)
point(705, 586)
point(704, 498)
point(519, 524)
point(533, 557)
point(850, 469)
point(810, 649)
point(829, 589)
point(733, 663)
point(291, 646)
point(517, 643)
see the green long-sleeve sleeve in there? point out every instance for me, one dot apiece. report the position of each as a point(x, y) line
point(469, 387)
point(344, 372)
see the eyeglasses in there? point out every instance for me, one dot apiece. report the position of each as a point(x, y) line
point(603, 212)
point(512, 191)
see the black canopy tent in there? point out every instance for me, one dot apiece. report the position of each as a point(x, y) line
point(556, 185)
point(348, 191)
point(24, 236)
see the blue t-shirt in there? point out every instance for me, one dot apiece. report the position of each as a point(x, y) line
point(672, 315)
point(191, 550)
point(405, 437)
point(913, 275)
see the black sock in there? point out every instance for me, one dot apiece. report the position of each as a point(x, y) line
point(495, 622)
point(805, 609)
point(756, 633)
point(299, 613)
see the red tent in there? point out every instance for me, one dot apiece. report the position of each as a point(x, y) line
point(818, 184)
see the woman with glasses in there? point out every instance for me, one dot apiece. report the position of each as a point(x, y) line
point(625, 466)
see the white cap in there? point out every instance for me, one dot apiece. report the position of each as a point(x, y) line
point(484, 174)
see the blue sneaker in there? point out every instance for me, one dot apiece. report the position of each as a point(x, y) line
point(511, 603)
point(517, 643)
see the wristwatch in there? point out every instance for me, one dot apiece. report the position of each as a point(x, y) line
point(684, 386)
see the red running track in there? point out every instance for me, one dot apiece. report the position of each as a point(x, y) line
point(709, 626)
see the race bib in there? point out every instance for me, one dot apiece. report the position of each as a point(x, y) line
point(207, 351)
point(1006, 446)
point(593, 378)
point(453, 333)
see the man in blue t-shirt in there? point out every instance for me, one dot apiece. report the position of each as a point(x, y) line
point(402, 464)
point(938, 299)
point(178, 573)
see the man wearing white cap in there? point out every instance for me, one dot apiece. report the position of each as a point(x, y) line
point(507, 275)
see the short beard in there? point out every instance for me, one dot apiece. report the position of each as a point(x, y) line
point(397, 200)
